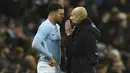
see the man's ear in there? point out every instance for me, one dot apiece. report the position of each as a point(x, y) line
point(53, 13)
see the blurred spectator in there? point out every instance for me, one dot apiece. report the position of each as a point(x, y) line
point(30, 64)
point(116, 65)
point(91, 6)
point(5, 64)
point(124, 6)
point(101, 68)
point(2, 34)
point(128, 66)
point(29, 29)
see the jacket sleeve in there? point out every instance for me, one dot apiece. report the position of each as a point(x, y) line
point(39, 41)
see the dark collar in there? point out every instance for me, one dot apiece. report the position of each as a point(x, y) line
point(85, 23)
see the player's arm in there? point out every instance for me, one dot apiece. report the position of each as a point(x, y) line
point(39, 43)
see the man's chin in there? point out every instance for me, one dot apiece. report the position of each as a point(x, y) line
point(58, 22)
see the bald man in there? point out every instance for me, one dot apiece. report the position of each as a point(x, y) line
point(81, 42)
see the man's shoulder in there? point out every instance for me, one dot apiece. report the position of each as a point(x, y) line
point(45, 24)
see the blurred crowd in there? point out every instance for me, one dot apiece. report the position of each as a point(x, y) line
point(19, 20)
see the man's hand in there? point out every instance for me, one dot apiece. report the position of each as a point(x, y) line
point(52, 62)
point(68, 28)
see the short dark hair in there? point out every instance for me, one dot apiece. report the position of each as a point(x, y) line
point(54, 7)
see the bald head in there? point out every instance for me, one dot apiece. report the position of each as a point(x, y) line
point(81, 12)
point(78, 14)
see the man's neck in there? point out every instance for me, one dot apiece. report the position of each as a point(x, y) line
point(50, 18)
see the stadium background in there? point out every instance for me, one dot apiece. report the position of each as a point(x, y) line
point(19, 20)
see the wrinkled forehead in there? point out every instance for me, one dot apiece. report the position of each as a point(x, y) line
point(74, 12)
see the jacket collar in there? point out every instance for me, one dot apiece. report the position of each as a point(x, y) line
point(85, 23)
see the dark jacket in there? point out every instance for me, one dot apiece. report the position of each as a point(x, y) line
point(81, 45)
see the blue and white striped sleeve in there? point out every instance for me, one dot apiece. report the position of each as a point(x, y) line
point(42, 33)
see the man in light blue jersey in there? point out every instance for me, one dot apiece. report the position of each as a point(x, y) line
point(47, 40)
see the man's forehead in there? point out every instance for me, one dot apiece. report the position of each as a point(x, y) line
point(61, 10)
point(73, 12)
